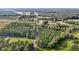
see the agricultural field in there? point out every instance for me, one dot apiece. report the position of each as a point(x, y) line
point(17, 32)
point(16, 44)
point(20, 36)
point(37, 31)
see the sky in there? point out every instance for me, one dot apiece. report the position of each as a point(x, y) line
point(39, 3)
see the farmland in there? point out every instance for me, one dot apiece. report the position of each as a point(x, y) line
point(15, 32)
point(40, 32)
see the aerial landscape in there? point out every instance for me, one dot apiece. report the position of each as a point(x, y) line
point(39, 29)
